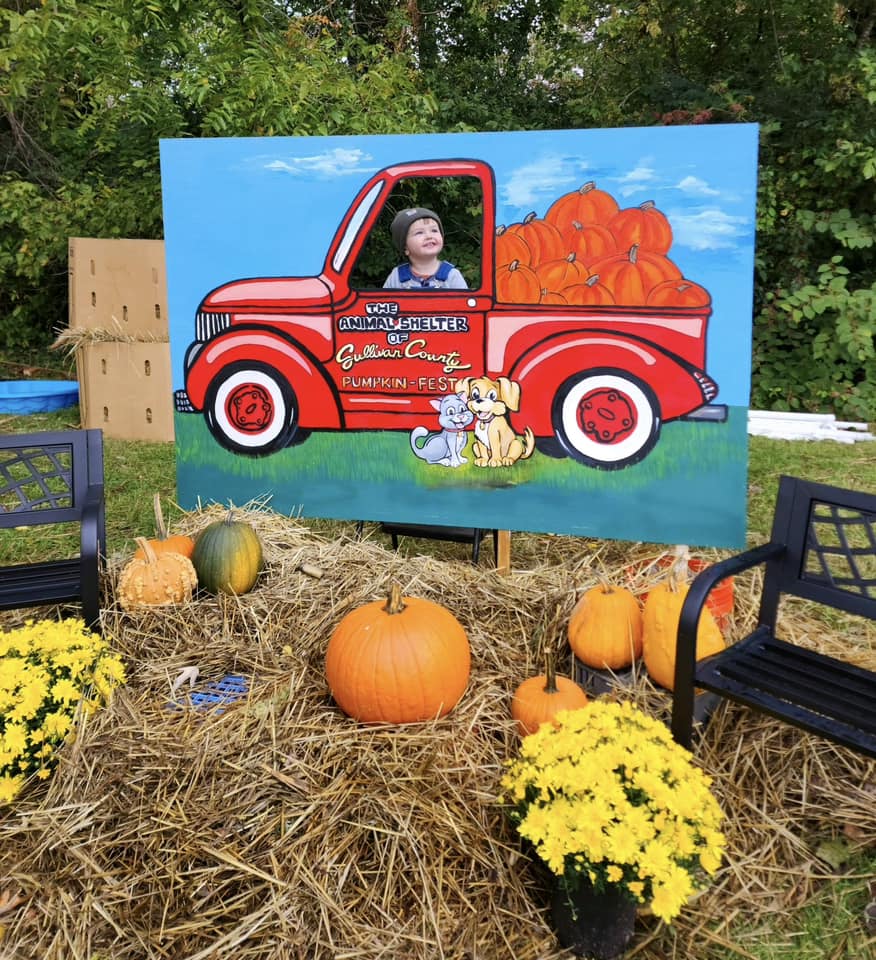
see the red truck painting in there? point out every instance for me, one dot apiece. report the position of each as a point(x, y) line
point(276, 358)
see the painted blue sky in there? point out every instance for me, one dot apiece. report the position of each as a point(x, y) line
point(270, 206)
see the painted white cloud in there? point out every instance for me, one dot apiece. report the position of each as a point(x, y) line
point(337, 162)
point(542, 180)
point(708, 229)
point(695, 187)
point(641, 176)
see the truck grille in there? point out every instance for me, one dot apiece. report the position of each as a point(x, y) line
point(707, 385)
point(207, 325)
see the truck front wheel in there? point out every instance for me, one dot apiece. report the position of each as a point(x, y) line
point(607, 418)
point(251, 409)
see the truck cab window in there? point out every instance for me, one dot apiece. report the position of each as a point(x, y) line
point(458, 201)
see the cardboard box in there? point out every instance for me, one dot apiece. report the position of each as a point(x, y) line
point(118, 285)
point(125, 389)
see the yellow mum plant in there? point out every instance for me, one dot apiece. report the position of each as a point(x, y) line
point(49, 670)
point(608, 796)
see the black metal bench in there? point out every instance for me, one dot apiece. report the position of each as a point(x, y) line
point(54, 478)
point(823, 549)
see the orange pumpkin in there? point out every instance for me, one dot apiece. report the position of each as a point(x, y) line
point(660, 629)
point(556, 274)
point(163, 542)
point(517, 283)
point(156, 579)
point(551, 296)
point(510, 246)
point(587, 204)
point(605, 627)
point(644, 225)
point(544, 240)
point(539, 699)
point(678, 293)
point(590, 241)
point(401, 660)
point(589, 293)
point(631, 276)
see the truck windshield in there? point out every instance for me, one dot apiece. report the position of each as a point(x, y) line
point(355, 225)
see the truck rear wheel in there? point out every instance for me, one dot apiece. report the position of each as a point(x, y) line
point(251, 409)
point(606, 418)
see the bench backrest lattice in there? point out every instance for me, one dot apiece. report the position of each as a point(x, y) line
point(54, 477)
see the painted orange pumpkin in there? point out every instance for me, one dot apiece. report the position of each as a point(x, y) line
point(590, 241)
point(401, 660)
point(678, 293)
point(644, 225)
point(517, 283)
point(589, 293)
point(605, 627)
point(510, 246)
point(544, 240)
point(557, 274)
point(539, 699)
point(587, 204)
point(631, 276)
point(551, 296)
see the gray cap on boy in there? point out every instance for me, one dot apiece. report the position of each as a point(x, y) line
point(403, 220)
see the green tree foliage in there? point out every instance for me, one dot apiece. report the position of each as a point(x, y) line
point(807, 74)
point(89, 89)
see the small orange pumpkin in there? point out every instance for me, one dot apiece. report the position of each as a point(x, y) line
point(678, 293)
point(539, 699)
point(157, 579)
point(517, 283)
point(401, 660)
point(589, 293)
point(644, 225)
point(163, 542)
point(605, 627)
point(556, 274)
point(587, 204)
point(544, 240)
point(660, 629)
point(510, 245)
point(590, 241)
point(632, 275)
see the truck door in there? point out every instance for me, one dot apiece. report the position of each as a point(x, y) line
point(395, 350)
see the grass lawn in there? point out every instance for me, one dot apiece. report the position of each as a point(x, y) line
point(828, 923)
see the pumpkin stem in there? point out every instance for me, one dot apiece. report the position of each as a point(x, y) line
point(513, 265)
point(146, 547)
point(394, 602)
point(634, 253)
point(604, 584)
point(160, 528)
point(587, 187)
point(229, 517)
point(550, 672)
point(530, 217)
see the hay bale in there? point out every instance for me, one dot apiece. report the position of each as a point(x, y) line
point(275, 827)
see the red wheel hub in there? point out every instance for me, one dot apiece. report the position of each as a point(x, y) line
point(606, 415)
point(249, 408)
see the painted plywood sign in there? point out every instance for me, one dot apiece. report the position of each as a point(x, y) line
point(545, 331)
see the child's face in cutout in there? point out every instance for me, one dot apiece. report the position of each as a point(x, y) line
point(424, 239)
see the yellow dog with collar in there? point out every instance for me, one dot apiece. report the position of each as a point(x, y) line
point(495, 443)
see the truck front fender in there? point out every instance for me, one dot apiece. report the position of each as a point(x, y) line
point(677, 386)
point(320, 406)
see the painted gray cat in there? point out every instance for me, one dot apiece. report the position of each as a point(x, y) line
point(445, 446)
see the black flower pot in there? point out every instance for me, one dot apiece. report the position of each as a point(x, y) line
point(592, 924)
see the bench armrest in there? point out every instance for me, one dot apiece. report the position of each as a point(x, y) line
point(688, 621)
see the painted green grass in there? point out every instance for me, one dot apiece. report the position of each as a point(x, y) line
point(381, 456)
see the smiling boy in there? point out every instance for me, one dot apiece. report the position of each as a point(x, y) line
point(419, 234)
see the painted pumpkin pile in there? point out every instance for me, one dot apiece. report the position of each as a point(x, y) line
point(587, 250)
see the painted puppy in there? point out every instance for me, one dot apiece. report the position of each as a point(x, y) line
point(495, 444)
